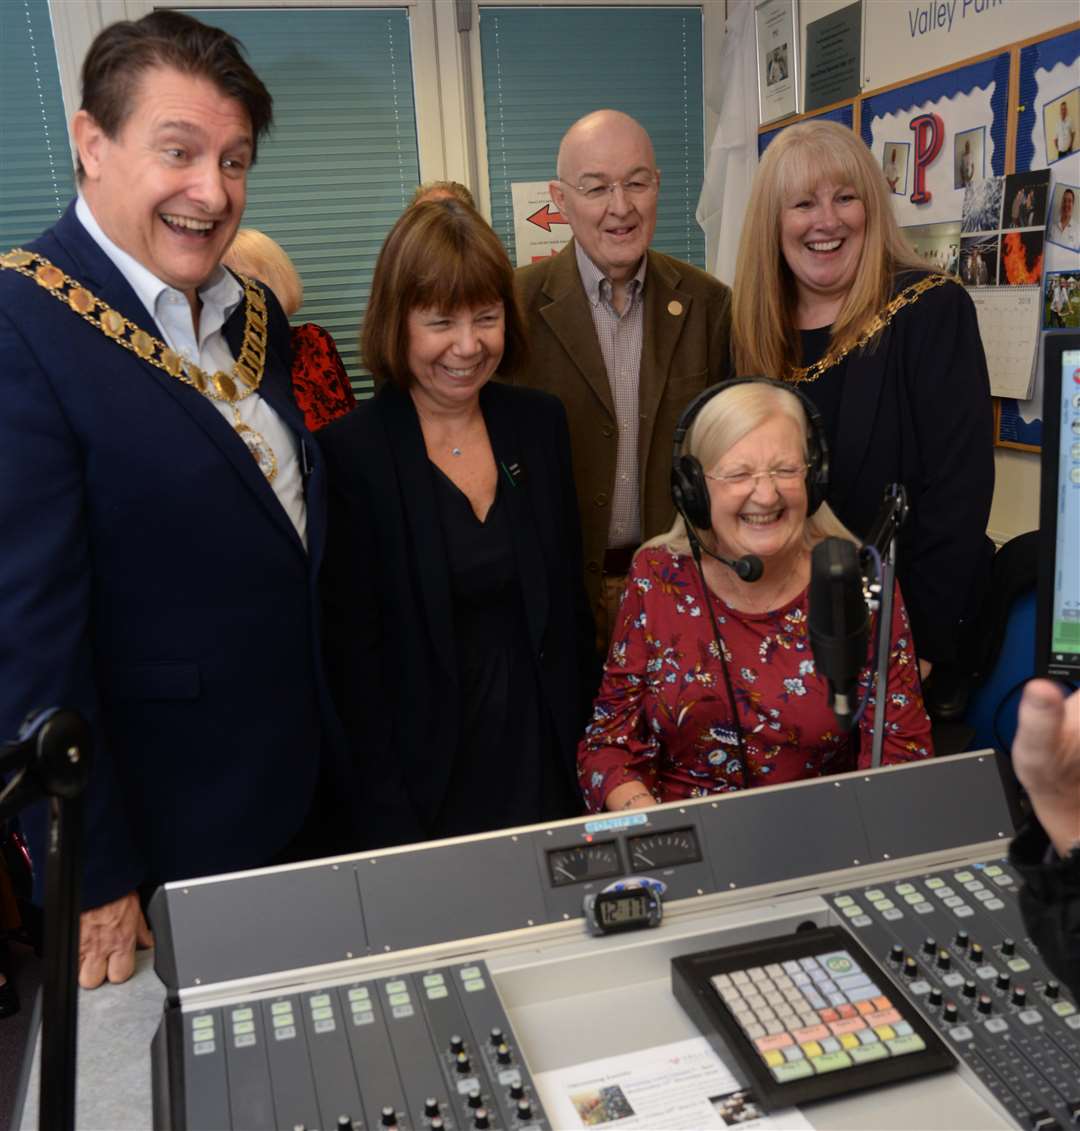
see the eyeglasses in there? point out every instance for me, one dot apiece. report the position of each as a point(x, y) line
point(781, 477)
point(596, 190)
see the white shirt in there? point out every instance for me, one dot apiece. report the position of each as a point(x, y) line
point(220, 295)
point(1065, 140)
point(1067, 235)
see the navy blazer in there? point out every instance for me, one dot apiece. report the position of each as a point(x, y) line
point(391, 656)
point(916, 410)
point(151, 580)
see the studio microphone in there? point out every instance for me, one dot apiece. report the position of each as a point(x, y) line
point(839, 623)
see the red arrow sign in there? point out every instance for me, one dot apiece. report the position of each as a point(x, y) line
point(544, 218)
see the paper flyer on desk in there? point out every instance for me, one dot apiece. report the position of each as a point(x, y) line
point(683, 1085)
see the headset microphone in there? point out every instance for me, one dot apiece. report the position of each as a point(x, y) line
point(747, 568)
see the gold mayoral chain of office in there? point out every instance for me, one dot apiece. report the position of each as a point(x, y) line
point(247, 372)
point(876, 324)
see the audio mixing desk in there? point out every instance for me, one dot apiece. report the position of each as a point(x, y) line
point(429, 986)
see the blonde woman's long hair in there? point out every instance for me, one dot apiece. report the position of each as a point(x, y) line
point(722, 422)
point(763, 309)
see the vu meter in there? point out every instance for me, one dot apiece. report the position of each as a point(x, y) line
point(663, 850)
point(596, 861)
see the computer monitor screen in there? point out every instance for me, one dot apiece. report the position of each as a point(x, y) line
point(1058, 618)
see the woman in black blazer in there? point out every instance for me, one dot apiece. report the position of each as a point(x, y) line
point(458, 631)
point(831, 297)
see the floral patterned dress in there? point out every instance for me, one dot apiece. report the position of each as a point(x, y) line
point(662, 716)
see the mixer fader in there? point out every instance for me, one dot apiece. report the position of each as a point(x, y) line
point(429, 1049)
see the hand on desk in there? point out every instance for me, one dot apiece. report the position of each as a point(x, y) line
point(1046, 758)
point(108, 936)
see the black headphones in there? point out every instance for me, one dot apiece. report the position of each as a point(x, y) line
point(689, 489)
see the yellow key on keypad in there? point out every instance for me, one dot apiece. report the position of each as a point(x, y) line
point(812, 1048)
point(774, 1058)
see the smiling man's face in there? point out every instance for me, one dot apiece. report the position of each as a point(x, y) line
point(615, 230)
point(170, 187)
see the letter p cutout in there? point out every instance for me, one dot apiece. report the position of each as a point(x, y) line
point(929, 135)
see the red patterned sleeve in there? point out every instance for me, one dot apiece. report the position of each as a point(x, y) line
point(320, 384)
point(907, 725)
point(618, 746)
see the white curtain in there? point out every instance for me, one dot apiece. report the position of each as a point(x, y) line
point(733, 154)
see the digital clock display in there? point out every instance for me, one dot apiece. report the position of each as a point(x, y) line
point(630, 907)
point(622, 909)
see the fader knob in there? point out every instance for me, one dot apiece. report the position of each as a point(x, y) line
point(962, 940)
point(502, 1054)
point(1051, 990)
point(431, 1106)
point(929, 946)
point(969, 988)
point(475, 1099)
point(976, 952)
point(950, 1013)
point(461, 1062)
point(344, 1123)
point(911, 967)
point(897, 953)
point(935, 996)
point(480, 1119)
point(388, 1117)
point(944, 959)
point(1003, 981)
point(524, 1109)
point(986, 1004)
point(1008, 947)
point(497, 1036)
point(1019, 996)
point(456, 1044)
point(437, 1123)
point(517, 1090)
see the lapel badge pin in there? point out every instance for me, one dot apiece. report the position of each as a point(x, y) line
point(674, 307)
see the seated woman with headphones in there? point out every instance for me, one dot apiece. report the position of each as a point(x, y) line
point(710, 683)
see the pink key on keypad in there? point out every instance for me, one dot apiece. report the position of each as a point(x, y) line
point(882, 1017)
point(849, 1025)
point(811, 1033)
point(776, 1041)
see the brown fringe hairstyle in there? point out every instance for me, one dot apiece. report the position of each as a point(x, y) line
point(763, 308)
point(441, 254)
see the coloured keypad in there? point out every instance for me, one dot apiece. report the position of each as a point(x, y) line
point(817, 1014)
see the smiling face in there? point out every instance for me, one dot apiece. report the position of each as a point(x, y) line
point(452, 355)
point(615, 230)
point(170, 188)
point(765, 518)
point(1066, 207)
point(821, 239)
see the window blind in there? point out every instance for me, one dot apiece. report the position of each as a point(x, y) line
point(341, 161)
point(36, 174)
point(543, 68)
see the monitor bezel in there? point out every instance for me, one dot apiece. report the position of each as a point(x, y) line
point(1054, 346)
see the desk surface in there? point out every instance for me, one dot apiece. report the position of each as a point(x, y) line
point(116, 1024)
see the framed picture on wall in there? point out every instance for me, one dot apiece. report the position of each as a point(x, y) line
point(776, 29)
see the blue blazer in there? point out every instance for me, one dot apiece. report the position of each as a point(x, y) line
point(151, 580)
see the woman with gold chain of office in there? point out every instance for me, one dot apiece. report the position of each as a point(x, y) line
point(829, 296)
